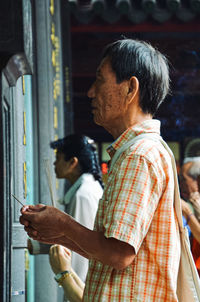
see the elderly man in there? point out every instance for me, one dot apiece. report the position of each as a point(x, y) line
point(134, 249)
point(189, 187)
point(190, 173)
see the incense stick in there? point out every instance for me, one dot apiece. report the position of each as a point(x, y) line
point(49, 180)
point(18, 200)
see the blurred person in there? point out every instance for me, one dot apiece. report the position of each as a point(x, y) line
point(194, 227)
point(189, 188)
point(77, 161)
point(191, 220)
point(190, 172)
point(134, 248)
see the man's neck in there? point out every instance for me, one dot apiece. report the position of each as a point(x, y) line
point(123, 125)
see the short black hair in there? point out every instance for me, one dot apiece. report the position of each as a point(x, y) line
point(82, 147)
point(129, 58)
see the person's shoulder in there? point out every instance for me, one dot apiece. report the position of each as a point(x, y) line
point(144, 146)
point(89, 188)
point(149, 149)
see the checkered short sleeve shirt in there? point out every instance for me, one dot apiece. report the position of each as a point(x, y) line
point(137, 207)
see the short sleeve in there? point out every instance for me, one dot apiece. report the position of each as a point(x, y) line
point(135, 197)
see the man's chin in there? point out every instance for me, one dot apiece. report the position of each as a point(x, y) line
point(96, 121)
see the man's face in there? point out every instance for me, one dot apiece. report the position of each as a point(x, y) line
point(61, 166)
point(187, 183)
point(107, 96)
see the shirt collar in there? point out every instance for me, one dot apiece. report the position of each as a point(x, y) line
point(148, 126)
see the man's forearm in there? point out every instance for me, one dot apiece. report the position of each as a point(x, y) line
point(95, 245)
point(64, 241)
point(50, 225)
point(72, 246)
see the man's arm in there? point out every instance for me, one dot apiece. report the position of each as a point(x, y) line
point(109, 251)
point(44, 223)
point(64, 241)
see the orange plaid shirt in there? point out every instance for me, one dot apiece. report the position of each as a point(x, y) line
point(137, 207)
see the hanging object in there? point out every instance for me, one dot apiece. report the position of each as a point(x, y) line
point(124, 6)
point(149, 5)
point(73, 4)
point(98, 6)
point(195, 5)
point(173, 5)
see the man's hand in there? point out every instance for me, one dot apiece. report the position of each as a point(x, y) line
point(43, 222)
point(52, 226)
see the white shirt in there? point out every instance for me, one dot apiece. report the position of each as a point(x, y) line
point(81, 202)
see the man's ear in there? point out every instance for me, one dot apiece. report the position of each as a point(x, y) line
point(133, 89)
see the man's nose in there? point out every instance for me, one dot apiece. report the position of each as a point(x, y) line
point(91, 92)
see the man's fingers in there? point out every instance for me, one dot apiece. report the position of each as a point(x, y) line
point(31, 232)
point(24, 209)
point(37, 208)
point(30, 209)
point(29, 213)
point(24, 221)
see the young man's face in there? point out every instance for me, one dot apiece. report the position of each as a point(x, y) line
point(61, 166)
point(107, 96)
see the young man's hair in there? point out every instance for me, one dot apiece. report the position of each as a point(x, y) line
point(129, 58)
point(84, 149)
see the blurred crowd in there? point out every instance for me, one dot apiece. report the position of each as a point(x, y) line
point(190, 194)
